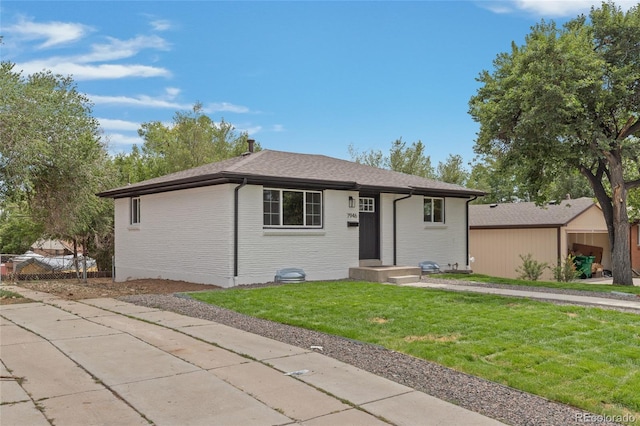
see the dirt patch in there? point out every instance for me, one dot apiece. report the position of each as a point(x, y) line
point(105, 287)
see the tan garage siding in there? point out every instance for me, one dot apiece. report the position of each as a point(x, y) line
point(496, 251)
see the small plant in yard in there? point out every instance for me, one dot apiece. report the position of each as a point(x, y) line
point(531, 269)
point(566, 270)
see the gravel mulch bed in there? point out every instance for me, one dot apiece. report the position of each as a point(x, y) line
point(500, 402)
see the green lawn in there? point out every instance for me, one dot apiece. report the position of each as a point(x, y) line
point(585, 357)
point(575, 285)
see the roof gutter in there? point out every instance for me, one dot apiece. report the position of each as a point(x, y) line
point(395, 228)
point(236, 228)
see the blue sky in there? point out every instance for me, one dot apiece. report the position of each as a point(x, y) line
point(310, 77)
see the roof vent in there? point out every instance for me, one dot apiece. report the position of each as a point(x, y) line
point(290, 275)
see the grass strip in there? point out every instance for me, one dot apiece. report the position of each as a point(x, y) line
point(585, 357)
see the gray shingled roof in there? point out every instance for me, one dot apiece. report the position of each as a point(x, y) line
point(510, 215)
point(286, 168)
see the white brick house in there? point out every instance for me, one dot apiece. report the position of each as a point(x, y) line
point(240, 220)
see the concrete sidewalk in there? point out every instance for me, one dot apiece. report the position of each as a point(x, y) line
point(107, 362)
point(632, 303)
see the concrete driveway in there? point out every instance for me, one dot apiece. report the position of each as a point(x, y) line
point(107, 362)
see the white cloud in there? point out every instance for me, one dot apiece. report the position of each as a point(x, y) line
point(54, 33)
point(160, 24)
point(117, 141)
point(172, 92)
point(554, 8)
point(110, 124)
point(81, 71)
point(138, 101)
point(121, 49)
point(277, 128)
point(225, 107)
point(252, 130)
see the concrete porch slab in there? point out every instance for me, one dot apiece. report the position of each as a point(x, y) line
point(381, 274)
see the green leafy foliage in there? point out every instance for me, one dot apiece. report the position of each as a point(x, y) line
point(193, 139)
point(565, 270)
point(530, 269)
point(52, 161)
point(569, 100)
point(17, 229)
point(401, 158)
point(452, 170)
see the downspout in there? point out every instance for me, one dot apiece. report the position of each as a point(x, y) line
point(475, 197)
point(395, 228)
point(235, 229)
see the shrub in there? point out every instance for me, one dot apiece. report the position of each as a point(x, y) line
point(566, 270)
point(530, 269)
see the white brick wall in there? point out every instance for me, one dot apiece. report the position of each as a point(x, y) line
point(324, 254)
point(418, 241)
point(183, 235)
point(188, 235)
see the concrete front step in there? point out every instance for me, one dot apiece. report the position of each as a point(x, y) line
point(405, 279)
point(381, 274)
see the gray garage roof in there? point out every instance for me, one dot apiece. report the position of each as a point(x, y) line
point(527, 215)
point(288, 169)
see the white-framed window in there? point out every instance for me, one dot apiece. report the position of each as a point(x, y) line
point(433, 210)
point(292, 208)
point(367, 205)
point(134, 211)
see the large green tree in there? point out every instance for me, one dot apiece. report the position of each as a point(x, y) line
point(52, 161)
point(569, 99)
point(452, 170)
point(191, 140)
point(410, 159)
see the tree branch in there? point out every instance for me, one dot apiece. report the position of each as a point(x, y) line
point(629, 129)
point(632, 184)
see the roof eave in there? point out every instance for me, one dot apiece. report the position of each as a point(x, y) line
point(518, 226)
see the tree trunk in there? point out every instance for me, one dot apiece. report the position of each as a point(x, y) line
point(620, 256)
point(614, 209)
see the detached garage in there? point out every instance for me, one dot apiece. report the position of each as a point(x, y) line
point(500, 233)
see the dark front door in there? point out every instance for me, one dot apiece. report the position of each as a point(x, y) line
point(369, 226)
